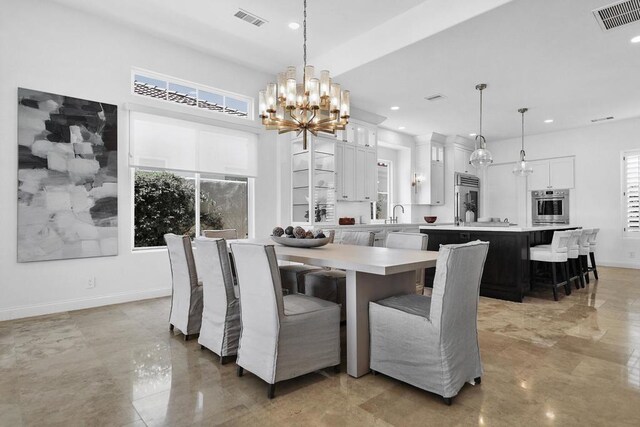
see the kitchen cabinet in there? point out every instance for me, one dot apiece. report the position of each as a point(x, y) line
point(429, 173)
point(356, 172)
point(461, 161)
point(359, 133)
point(552, 174)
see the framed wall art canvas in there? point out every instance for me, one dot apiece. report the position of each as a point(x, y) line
point(67, 177)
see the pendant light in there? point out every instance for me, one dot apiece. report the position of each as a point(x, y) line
point(522, 168)
point(481, 157)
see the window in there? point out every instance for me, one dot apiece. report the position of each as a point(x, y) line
point(157, 86)
point(181, 203)
point(381, 207)
point(631, 193)
point(188, 177)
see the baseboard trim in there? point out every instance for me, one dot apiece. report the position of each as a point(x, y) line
point(80, 303)
point(634, 265)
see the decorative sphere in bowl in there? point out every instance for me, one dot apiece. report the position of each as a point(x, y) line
point(430, 219)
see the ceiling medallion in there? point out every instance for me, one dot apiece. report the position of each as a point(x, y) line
point(314, 105)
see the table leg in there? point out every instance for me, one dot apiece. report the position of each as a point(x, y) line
point(362, 288)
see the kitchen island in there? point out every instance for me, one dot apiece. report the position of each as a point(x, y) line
point(507, 273)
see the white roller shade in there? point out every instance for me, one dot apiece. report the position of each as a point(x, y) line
point(162, 142)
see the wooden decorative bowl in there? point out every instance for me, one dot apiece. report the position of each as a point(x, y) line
point(301, 243)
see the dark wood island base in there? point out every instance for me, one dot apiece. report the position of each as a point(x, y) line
point(507, 272)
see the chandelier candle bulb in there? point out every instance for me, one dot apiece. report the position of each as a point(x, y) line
point(314, 93)
point(262, 103)
point(325, 83)
point(335, 97)
point(282, 85)
point(309, 72)
point(291, 93)
point(345, 108)
point(291, 73)
point(300, 95)
point(271, 98)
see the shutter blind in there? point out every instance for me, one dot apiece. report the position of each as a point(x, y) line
point(632, 191)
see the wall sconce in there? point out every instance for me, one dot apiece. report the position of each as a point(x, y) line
point(417, 179)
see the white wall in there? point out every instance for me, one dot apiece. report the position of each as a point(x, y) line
point(47, 47)
point(596, 199)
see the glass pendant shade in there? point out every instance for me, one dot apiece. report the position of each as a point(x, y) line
point(481, 157)
point(522, 167)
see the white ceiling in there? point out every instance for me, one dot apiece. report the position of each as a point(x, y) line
point(548, 55)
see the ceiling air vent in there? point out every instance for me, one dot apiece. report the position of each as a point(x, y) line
point(249, 17)
point(601, 119)
point(437, 96)
point(618, 14)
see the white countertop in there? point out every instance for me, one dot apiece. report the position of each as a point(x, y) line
point(398, 225)
point(511, 229)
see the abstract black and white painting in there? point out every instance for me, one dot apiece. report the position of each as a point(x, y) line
point(67, 177)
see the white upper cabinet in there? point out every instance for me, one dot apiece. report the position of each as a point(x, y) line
point(356, 160)
point(552, 174)
point(437, 182)
point(561, 172)
point(371, 174)
point(461, 163)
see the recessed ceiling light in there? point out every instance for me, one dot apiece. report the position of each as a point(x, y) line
point(472, 134)
point(549, 121)
point(636, 39)
point(401, 128)
point(395, 107)
point(294, 25)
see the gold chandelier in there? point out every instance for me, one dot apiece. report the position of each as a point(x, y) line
point(314, 105)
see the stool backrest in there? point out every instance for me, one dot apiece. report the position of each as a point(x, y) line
point(584, 237)
point(592, 236)
point(572, 244)
point(560, 241)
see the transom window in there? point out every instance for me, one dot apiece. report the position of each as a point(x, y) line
point(165, 88)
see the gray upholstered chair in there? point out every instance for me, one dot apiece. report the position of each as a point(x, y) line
point(186, 294)
point(281, 337)
point(229, 233)
point(221, 312)
point(331, 285)
point(415, 241)
point(432, 342)
point(292, 275)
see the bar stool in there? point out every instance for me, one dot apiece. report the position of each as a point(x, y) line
point(573, 255)
point(592, 252)
point(585, 247)
point(555, 254)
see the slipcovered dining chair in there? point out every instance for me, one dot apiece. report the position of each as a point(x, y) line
point(415, 241)
point(229, 234)
point(186, 291)
point(281, 337)
point(330, 284)
point(432, 342)
point(221, 312)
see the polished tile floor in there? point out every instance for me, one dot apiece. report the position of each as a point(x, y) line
point(574, 362)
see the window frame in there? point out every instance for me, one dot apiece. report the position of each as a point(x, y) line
point(198, 87)
point(626, 234)
point(196, 176)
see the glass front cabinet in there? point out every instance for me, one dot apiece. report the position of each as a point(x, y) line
point(313, 179)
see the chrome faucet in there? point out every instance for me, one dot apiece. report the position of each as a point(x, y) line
point(394, 218)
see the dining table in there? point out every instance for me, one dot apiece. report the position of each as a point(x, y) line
point(373, 273)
